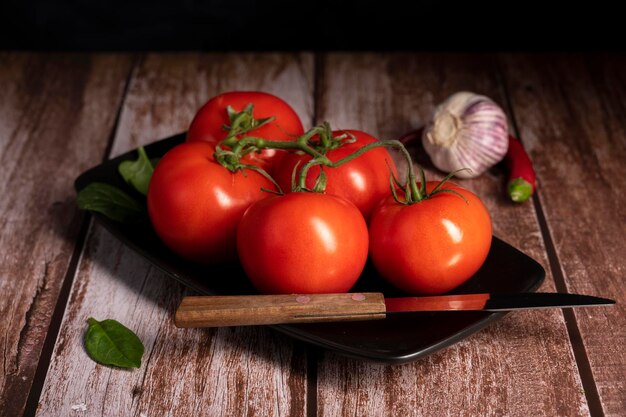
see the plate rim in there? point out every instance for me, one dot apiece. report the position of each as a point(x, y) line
point(295, 331)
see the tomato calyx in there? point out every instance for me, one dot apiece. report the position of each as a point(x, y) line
point(232, 161)
point(323, 140)
point(411, 197)
point(243, 122)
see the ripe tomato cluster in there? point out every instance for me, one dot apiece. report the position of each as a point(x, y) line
point(330, 202)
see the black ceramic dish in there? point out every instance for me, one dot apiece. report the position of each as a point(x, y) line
point(397, 339)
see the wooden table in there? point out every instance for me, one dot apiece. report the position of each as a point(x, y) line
point(63, 113)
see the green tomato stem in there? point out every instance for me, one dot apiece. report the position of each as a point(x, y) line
point(260, 143)
point(243, 122)
point(413, 192)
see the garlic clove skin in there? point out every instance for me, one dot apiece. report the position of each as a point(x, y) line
point(466, 131)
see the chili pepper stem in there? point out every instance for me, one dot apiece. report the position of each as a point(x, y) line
point(519, 190)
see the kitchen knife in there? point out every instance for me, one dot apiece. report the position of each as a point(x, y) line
point(248, 310)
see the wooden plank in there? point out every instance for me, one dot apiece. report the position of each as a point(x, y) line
point(250, 371)
point(56, 114)
point(522, 365)
point(572, 118)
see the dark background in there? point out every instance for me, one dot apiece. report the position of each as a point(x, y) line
point(224, 25)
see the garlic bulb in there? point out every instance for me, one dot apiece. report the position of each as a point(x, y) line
point(466, 131)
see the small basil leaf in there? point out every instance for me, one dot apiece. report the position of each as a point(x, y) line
point(110, 201)
point(111, 343)
point(138, 172)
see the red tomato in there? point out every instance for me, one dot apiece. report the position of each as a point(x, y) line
point(195, 204)
point(364, 181)
point(432, 246)
point(208, 123)
point(302, 243)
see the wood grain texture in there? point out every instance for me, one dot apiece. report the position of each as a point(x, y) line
point(571, 113)
point(230, 371)
point(520, 366)
point(246, 310)
point(56, 115)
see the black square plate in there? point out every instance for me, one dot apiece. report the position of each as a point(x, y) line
point(397, 339)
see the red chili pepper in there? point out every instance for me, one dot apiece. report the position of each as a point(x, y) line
point(521, 184)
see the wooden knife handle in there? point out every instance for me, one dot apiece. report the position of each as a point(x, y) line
point(248, 310)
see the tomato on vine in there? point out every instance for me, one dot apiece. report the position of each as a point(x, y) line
point(195, 204)
point(246, 113)
point(364, 180)
point(433, 245)
point(302, 243)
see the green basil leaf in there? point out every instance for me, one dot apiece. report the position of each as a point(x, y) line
point(110, 201)
point(138, 172)
point(111, 343)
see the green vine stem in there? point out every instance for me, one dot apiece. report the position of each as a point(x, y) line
point(239, 147)
point(244, 122)
point(413, 192)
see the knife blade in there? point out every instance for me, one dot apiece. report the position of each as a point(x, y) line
point(249, 310)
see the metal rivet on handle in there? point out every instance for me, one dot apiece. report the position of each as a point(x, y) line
point(358, 297)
